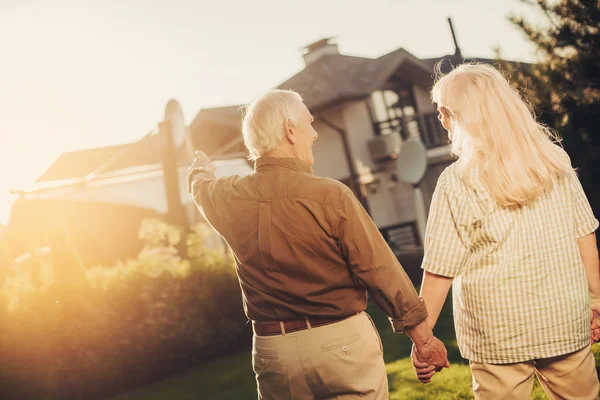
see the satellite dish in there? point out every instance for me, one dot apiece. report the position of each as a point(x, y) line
point(411, 168)
point(411, 163)
point(179, 132)
point(174, 115)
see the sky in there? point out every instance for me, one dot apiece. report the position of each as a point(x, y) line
point(83, 74)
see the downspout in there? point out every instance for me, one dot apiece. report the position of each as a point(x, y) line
point(356, 188)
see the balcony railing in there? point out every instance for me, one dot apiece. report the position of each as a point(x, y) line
point(433, 133)
point(427, 126)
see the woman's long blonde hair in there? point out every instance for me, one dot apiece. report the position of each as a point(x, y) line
point(496, 136)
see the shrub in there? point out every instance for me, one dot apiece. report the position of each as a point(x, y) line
point(129, 324)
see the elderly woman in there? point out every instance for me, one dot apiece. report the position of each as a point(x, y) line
point(306, 254)
point(510, 227)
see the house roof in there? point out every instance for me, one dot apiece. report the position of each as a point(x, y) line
point(335, 78)
point(217, 132)
point(148, 150)
point(78, 164)
point(328, 81)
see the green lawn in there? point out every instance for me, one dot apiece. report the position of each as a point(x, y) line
point(231, 377)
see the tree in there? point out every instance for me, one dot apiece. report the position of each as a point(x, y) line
point(564, 86)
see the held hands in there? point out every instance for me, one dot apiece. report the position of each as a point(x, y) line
point(429, 358)
point(428, 353)
point(595, 318)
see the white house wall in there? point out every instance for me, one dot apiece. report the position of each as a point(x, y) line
point(359, 129)
point(146, 193)
point(330, 157)
point(390, 203)
point(146, 190)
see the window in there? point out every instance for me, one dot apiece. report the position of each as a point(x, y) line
point(394, 111)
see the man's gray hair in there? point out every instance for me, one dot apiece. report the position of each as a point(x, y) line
point(263, 126)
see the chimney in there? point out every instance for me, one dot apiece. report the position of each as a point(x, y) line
point(457, 52)
point(318, 49)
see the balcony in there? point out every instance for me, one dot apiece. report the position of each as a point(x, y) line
point(427, 126)
point(433, 133)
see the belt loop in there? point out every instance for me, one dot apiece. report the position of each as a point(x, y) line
point(307, 323)
point(282, 328)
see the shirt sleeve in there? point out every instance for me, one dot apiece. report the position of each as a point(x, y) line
point(445, 250)
point(585, 221)
point(205, 190)
point(372, 261)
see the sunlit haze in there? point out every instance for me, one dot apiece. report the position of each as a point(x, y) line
point(81, 74)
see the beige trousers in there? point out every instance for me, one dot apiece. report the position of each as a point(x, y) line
point(343, 360)
point(572, 377)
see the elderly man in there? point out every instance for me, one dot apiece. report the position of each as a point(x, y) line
point(306, 254)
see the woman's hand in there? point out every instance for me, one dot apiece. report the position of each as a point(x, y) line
point(595, 319)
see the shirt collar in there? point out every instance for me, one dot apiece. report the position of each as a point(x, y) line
point(265, 163)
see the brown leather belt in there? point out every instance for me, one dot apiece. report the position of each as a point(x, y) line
point(275, 327)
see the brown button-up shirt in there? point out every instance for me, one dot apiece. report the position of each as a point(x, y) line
point(303, 245)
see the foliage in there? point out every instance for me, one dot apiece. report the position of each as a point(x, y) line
point(564, 86)
point(133, 323)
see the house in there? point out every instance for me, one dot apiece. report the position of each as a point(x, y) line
point(369, 113)
point(88, 205)
point(364, 110)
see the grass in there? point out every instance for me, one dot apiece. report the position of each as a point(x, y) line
point(231, 377)
point(227, 378)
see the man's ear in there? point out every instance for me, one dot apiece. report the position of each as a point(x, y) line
point(290, 130)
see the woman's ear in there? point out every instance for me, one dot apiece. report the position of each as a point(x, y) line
point(445, 111)
point(290, 130)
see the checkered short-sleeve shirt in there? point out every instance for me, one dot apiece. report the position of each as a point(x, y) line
point(520, 290)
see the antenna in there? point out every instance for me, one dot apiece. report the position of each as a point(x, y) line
point(457, 52)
